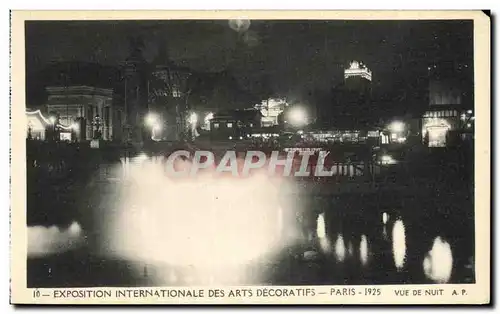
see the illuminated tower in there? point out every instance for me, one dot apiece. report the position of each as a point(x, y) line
point(358, 69)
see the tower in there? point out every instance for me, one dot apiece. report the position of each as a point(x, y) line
point(358, 77)
point(135, 92)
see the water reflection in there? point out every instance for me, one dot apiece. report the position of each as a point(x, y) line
point(340, 248)
point(320, 226)
point(350, 249)
point(43, 241)
point(323, 240)
point(192, 216)
point(385, 218)
point(399, 244)
point(363, 250)
point(438, 263)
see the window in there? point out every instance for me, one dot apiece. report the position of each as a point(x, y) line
point(176, 92)
point(229, 125)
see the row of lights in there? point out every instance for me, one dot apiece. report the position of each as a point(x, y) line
point(154, 122)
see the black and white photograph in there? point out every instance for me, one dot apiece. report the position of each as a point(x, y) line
point(250, 152)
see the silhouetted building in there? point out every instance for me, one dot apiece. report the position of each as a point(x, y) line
point(168, 94)
point(135, 91)
point(234, 124)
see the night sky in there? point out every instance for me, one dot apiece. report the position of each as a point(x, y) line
point(286, 58)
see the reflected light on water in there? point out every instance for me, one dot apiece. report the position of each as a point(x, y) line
point(350, 249)
point(320, 226)
point(208, 222)
point(385, 218)
point(340, 248)
point(43, 241)
point(438, 263)
point(363, 250)
point(399, 244)
point(325, 246)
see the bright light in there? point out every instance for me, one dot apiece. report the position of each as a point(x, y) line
point(43, 241)
point(436, 129)
point(193, 118)
point(320, 226)
point(438, 263)
point(463, 117)
point(387, 160)
point(52, 119)
point(241, 137)
point(157, 127)
point(209, 117)
point(397, 126)
point(469, 125)
point(363, 250)
point(469, 111)
point(340, 248)
point(399, 244)
point(385, 217)
point(230, 137)
point(151, 119)
point(298, 117)
point(224, 223)
point(75, 126)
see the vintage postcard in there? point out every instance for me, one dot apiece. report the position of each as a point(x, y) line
point(250, 157)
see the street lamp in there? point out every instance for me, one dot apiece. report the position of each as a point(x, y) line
point(297, 117)
point(151, 119)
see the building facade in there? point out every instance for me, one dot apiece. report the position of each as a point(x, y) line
point(447, 113)
point(271, 110)
point(36, 125)
point(168, 94)
point(87, 110)
point(234, 124)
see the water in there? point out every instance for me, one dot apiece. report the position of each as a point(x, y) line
point(370, 238)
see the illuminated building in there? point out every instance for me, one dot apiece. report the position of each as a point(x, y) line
point(357, 70)
point(233, 124)
point(36, 124)
point(89, 110)
point(271, 109)
point(447, 113)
